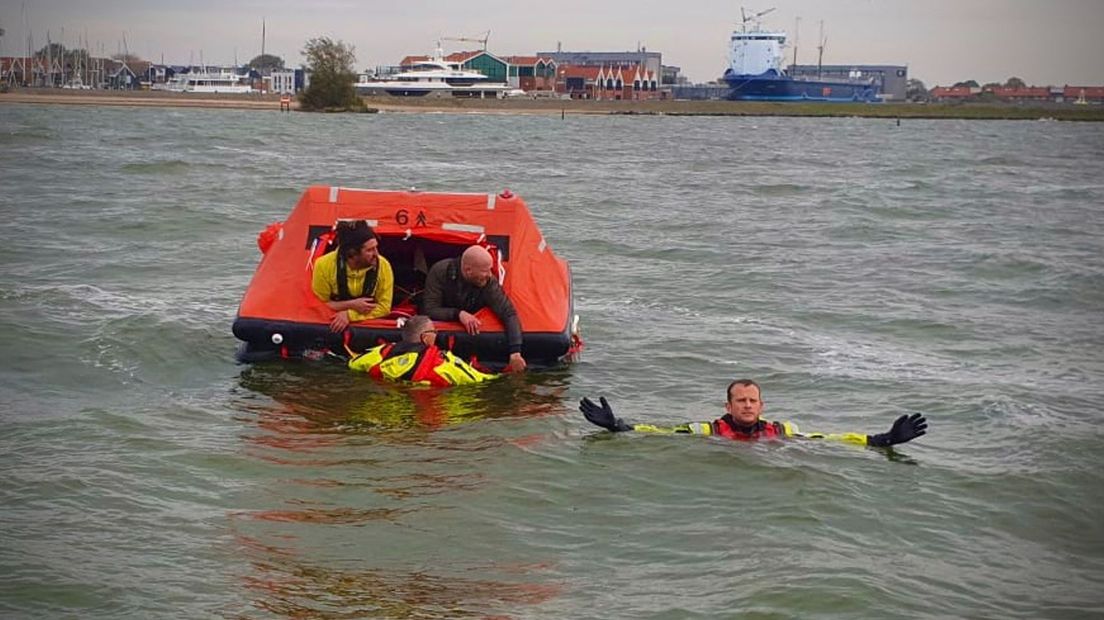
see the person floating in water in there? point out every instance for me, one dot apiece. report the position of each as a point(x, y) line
point(417, 359)
point(743, 421)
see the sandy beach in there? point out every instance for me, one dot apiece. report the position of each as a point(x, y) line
point(549, 106)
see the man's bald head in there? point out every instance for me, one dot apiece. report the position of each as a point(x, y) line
point(475, 265)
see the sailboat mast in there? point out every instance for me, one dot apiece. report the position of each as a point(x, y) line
point(797, 25)
point(820, 49)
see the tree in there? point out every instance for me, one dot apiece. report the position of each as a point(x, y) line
point(332, 77)
point(967, 84)
point(915, 90)
point(52, 50)
point(266, 63)
point(1015, 82)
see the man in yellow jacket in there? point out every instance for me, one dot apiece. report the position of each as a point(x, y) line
point(354, 280)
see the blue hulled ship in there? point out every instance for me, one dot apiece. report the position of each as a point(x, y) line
point(755, 72)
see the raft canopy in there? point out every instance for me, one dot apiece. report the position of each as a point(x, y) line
point(415, 230)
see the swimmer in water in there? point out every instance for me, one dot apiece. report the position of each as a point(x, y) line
point(743, 421)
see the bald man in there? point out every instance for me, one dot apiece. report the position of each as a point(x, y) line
point(456, 288)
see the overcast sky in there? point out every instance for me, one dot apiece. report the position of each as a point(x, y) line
point(942, 41)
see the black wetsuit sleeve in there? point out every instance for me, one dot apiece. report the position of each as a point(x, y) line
point(495, 298)
point(433, 299)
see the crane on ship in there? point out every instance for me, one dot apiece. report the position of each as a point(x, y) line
point(745, 18)
point(482, 40)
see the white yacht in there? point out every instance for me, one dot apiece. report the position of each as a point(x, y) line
point(436, 77)
point(224, 81)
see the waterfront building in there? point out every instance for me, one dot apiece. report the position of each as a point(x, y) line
point(1082, 94)
point(531, 73)
point(1027, 93)
point(608, 83)
point(577, 81)
point(281, 81)
point(651, 62)
point(953, 93)
point(16, 70)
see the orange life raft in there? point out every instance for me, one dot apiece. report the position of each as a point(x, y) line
point(279, 315)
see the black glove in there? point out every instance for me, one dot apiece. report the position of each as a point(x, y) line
point(602, 415)
point(905, 428)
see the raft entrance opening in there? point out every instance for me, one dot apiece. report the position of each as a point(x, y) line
point(412, 252)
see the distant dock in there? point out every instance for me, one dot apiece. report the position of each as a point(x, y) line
point(548, 106)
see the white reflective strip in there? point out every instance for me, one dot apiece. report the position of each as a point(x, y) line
point(490, 202)
point(333, 194)
point(472, 228)
point(409, 233)
point(540, 248)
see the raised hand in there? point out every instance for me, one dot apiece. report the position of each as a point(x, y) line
point(602, 415)
point(905, 428)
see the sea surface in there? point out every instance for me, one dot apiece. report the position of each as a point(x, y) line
point(858, 269)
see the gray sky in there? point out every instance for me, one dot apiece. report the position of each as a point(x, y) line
point(942, 41)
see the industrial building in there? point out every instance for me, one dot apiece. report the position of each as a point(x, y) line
point(892, 80)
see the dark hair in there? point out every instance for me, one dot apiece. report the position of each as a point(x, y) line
point(745, 383)
point(414, 327)
point(351, 234)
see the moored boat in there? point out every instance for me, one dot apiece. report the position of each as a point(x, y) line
point(435, 77)
point(279, 315)
point(223, 81)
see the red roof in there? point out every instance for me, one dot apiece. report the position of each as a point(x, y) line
point(952, 91)
point(1091, 92)
point(522, 60)
point(1032, 92)
point(463, 56)
point(577, 71)
point(460, 57)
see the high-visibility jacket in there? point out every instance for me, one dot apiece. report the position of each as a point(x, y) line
point(419, 364)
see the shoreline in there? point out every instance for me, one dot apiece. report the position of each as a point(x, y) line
point(962, 111)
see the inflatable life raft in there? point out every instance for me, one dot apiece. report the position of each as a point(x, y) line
point(280, 316)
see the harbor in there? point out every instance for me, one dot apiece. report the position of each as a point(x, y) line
point(271, 102)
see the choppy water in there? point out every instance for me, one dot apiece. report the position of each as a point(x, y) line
point(858, 269)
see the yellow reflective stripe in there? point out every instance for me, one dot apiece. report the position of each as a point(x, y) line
point(365, 361)
point(700, 428)
point(649, 428)
point(790, 429)
point(693, 428)
point(458, 372)
point(395, 367)
point(857, 438)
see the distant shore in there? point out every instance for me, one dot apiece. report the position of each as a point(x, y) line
point(544, 106)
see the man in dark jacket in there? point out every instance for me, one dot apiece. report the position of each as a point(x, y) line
point(456, 288)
